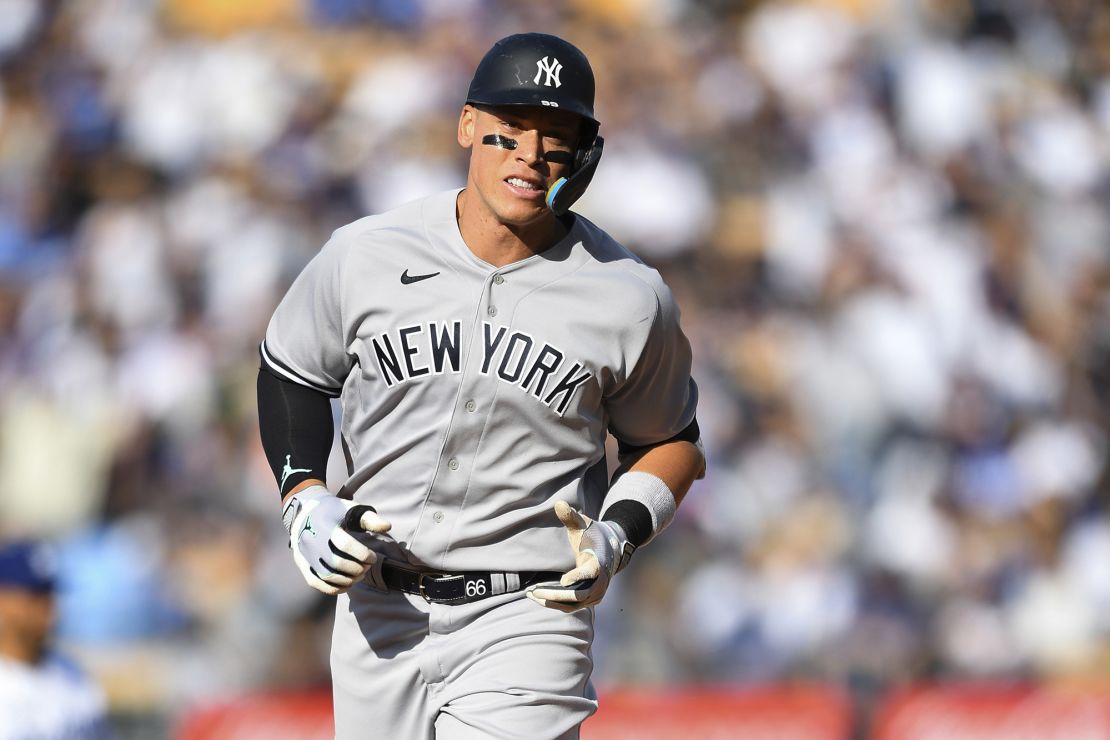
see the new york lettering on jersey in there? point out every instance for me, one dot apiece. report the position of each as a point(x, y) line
point(512, 356)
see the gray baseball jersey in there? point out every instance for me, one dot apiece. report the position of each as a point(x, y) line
point(473, 397)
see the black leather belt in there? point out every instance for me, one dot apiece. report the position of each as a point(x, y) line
point(460, 588)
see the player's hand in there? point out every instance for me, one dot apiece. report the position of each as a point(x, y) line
point(596, 548)
point(320, 525)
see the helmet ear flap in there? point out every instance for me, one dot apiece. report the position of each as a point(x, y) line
point(581, 156)
point(586, 145)
point(564, 191)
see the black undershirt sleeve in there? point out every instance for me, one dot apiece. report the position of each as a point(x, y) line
point(690, 434)
point(296, 427)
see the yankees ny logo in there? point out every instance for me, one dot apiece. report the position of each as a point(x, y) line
point(288, 470)
point(551, 69)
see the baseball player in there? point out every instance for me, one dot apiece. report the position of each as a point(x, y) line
point(42, 694)
point(482, 342)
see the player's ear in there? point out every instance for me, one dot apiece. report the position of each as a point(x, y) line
point(467, 122)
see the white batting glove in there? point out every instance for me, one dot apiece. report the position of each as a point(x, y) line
point(320, 525)
point(597, 546)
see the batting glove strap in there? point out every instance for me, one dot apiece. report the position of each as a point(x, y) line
point(617, 549)
point(295, 503)
point(622, 548)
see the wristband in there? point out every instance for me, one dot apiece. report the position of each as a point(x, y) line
point(641, 504)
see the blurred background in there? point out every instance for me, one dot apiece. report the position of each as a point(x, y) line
point(887, 223)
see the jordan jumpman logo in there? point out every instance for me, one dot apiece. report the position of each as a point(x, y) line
point(288, 471)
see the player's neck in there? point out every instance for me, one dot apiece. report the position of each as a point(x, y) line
point(498, 243)
point(20, 651)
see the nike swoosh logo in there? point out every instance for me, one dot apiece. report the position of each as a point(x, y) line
point(407, 279)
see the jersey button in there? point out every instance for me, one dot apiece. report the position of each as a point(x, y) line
point(498, 279)
point(470, 406)
point(453, 464)
point(492, 310)
point(438, 516)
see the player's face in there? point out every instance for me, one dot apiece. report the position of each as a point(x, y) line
point(26, 620)
point(513, 182)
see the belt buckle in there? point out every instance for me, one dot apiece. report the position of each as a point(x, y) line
point(420, 587)
point(441, 579)
point(420, 584)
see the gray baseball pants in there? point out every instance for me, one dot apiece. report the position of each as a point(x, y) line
point(503, 667)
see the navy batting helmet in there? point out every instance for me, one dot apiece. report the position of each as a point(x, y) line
point(539, 69)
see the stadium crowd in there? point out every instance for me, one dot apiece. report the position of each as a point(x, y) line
point(887, 223)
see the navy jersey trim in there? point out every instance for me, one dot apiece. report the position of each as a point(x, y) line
point(276, 367)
